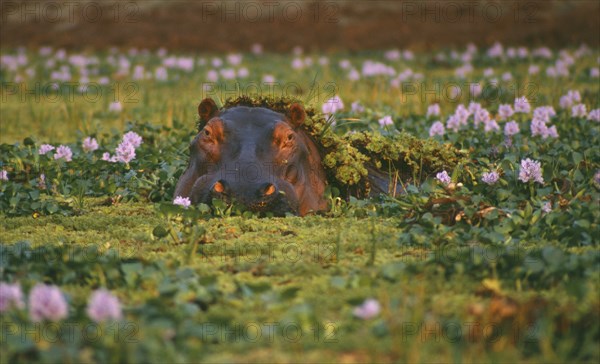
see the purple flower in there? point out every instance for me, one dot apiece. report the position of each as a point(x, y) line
point(511, 128)
point(45, 148)
point(443, 177)
point(547, 207)
point(10, 296)
point(3, 175)
point(115, 107)
point(578, 111)
point(106, 156)
point(490, 125)
point(63, 152)
point(597, 177)
point(386, 121)
point(90, 144)
point(522, 105)
point(453, 123)
point(369, 309)
point(482, 116)
point(490, 178)
point(357, 107)
point(132, 138)
point(437, 129)
point(551, 132)
point(332, 105)
point(505, 111)
point(544, 113)
point(531, 171)
point(103, 306)
point(534, 69)
point(125, 152)
point(433, 110)
point(462, 114)
point(594, 115)
point(47, 302)
point(182, 201)
point(538, 127)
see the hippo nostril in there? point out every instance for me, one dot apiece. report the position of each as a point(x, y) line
point(219, 186)
point(268, 189)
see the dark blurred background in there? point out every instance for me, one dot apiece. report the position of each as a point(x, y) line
point(281, 25)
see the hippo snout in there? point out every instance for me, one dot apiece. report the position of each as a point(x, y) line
point(260, 196)
point(250, 194)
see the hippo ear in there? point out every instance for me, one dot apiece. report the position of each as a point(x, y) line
point(296, 115)
point(207, 109)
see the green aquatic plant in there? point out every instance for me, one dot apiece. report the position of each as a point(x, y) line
point(348, 158)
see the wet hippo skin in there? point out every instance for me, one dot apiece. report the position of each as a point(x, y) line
point(261, 159)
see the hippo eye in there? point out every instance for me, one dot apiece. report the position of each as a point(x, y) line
point(206, 132)
point(290, 137)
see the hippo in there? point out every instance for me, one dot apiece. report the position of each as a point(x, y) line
point(267, 161)
point(260, 158)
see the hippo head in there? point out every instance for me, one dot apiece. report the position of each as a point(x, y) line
point(258, 157)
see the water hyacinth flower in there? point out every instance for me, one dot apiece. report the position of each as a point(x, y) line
point(597, 177)
point(386, 121)
point(63, 152)
point(357, 107)
point(522, 105)
point(3, 175)
point(297, 64)
point(490, 177)
point(544, 113)
point(453, 123)
point(125, 152)
point(257, 48)
point(133, 138)
point(511, 128)
point(103, 306)
point(533, 69)
point(571, 98)
point(115, 107)
point(578, 111)
point(161, 74)
point(10, 297)
point(433, 110)
point(594, 115)
point(443, 177)
point(595, 72)
point(212, 76)
point(332, 105)
point(531, 171)
point(490, 125)
point(369, 309)
point(551, 132)
point(505, 111)
point(437, 128)
point(538, 127)
point(182, 201)
point(243, 72)
point(89, 144)
point(45, 148)
point(482, 116)
point(46, 302)
point(547, 207)
point(354, 75)
point(474, 107)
